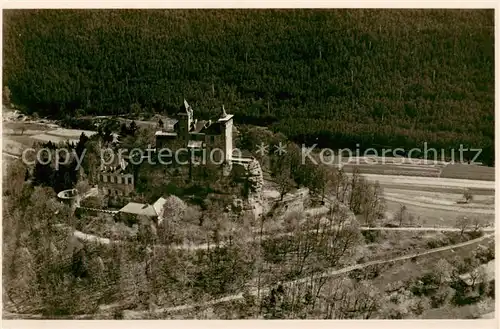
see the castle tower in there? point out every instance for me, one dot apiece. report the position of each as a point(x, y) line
point(226, 122)
point(185, 117)
point(70, 197)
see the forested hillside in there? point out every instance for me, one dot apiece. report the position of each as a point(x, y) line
point(380, 78)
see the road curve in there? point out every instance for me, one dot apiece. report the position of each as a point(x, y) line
point(204, 246)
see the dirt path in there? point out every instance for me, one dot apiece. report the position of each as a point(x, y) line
point(10, 155)
point(94, 238)
point(423, 229)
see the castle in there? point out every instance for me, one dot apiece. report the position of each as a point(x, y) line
point(116, 180)
point(212, 137)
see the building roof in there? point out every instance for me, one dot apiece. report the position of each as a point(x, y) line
point(165, 133)
point(154, 210)
point(214, 129)
point(170, 124)
point(115, 164)
point(489, 270)
point(244, 154)
point(158, 205)
point(139, 209)
point(225, 118)
point(199, 126)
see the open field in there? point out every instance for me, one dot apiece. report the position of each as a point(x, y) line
point(445, 199)
point(436, 200)
point(373, 165)
point(399, 166)
point(18, 135)
point(468, 171)
point(394, 169)
point(62, 135)
point(434, 217)
point(483, 204)
point(54, 139)
point(425, 183)
point(16, 127)
point(70, 133)
point(12, 147)
point(433, 201)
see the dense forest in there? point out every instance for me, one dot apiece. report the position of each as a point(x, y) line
point(378, 78)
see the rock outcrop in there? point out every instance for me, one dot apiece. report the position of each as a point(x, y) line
point(256, 182)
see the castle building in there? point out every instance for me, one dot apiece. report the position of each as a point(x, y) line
point(145, 214)
point(212, 137)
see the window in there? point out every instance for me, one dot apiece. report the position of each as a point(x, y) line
point(109, 192)
point(119, 179)
point(104, 178)
point(212, 139)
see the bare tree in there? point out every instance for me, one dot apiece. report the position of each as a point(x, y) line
point(463, 223)
point(372, 203)
point(478, 223)
point(401, 215)
point(343, 185)
point(82, 187)
point(284, 181)
point(346, 301)
point(357, 191)
point(468, 195)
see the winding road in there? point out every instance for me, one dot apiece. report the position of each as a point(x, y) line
point(204, 246)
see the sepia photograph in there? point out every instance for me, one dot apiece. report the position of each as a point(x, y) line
point(248, 164)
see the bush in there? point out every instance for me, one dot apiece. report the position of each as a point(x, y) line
point(440, 297)
point(371, 236)
point(93, 202)
point(485, 253)
point(426, 285)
